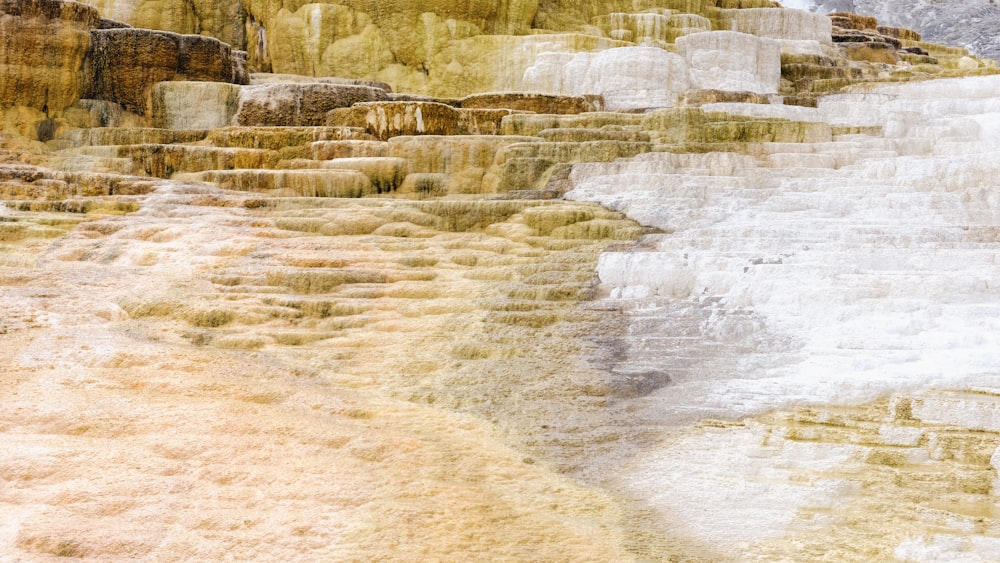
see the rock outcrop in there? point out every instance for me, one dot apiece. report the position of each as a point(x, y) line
point(56, 53)
point(42, 53)
point(124, 64)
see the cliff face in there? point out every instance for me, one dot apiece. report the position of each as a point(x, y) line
point(56, 53)
point(43, 52)
point(559, 281)
point(124, 64)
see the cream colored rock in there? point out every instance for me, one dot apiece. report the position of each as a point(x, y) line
point(261, 78)
point(172, 108)
point(799, 32)
point(572, 15)
point(727, 60)
point(626, 78)
point(778, 23)
point(881, 231)
point(495, 63)
point(903, 108)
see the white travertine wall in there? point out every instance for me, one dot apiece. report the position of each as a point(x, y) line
point(627, 77)
point(648, 77)
point(779, 23)
point(727, 60)
point(172, 107)
point(825, 273)
point(797, 31)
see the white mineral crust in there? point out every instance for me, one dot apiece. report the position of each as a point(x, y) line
point(627, 77)
point(868, 268)
point(630, 78)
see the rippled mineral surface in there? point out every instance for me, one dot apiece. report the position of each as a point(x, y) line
point(659, 280)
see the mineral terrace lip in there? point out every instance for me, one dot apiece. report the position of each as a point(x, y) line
point(518, 281)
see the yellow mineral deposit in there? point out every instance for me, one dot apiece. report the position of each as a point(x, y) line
point(530, 280)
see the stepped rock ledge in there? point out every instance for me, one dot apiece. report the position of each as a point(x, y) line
point(528, 280)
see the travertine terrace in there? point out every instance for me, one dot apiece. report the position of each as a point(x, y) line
point(649, 280)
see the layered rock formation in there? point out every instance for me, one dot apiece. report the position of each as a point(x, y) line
point(43, 51)
point(493, 281)
point(56, 53)
point(124, 64)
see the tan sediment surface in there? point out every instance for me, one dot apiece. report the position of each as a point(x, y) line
point(195, 382)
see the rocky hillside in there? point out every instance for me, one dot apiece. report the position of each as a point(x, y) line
point(973, 24)
point(386, 280)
